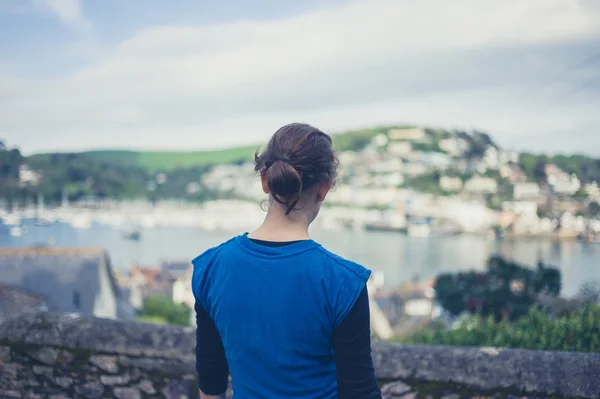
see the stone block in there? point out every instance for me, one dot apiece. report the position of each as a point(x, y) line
point(146, 386)
point(395, 389)
point(115, 379)
point(127, 393)
point(90, 390)
point(106, 363)
point(45, 355)
point(180, 389)
point(43, 371)
point(64, 382)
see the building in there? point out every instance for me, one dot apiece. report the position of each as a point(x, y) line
point(454, 146)
point(451, 184)
point(564, 184)
point(512, 173)
point(526, 191)
point(28, 177)
point(15, 301)
point(411, 134)
point(490, 160)
point(481, 185)
point(182, 289)
point(400, 148)
point(76, 280)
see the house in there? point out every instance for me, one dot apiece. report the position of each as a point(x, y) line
point(182, 289)
point(481, 185)
point(592, 190)
point(77, 280)
point(411, 134)
point(454, 146)
point(434, 160)
point(388, 165)
point(414, 169)
point(28, 177)
point(388, 179)
point(564, 184)
point(512, 173)
point(526, 191)
point(451, 184)
point(400, 148)
point(15, 301)
point(490, 160)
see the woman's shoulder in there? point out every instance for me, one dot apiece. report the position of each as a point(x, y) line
point(343, 263)
point(213, 251)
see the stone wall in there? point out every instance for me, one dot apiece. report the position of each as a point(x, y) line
point(48, 355)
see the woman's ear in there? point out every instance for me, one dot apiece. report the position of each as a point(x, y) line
point(265, 186)
point(322, 190)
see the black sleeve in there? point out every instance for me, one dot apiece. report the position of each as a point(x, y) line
point(352, 353)
point(211, 363)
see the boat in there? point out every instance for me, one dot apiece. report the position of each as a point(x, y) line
point(419, 229)
point(17, 231)
point(12, 219)
point(134, 235)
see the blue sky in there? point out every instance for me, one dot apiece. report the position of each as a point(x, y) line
point(185, 74)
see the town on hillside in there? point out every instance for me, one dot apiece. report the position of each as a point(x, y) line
point(418, 181)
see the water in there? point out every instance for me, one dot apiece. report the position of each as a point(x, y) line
point(398, 256)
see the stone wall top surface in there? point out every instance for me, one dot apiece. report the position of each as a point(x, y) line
point(522, 372)
point(83, 331)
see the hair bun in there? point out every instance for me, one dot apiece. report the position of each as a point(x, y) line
point(285, 183)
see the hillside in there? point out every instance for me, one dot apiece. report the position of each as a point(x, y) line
point(154, 161)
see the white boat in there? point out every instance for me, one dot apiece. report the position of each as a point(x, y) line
point(12, 219)
point(81, 222)
point(420, 230)
point(17, 231)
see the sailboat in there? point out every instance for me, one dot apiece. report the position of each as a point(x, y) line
point(40, 219)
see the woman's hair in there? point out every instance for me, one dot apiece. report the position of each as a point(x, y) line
point(297, 158)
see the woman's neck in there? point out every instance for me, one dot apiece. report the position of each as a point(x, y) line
point(280, 227)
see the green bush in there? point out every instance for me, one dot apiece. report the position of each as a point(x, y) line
point(578, 331)
point(162, 310)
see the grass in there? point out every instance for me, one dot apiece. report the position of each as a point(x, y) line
point(157, 161)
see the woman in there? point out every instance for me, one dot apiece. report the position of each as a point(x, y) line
point(286, 317)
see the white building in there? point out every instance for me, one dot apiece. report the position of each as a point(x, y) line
point(526, 191)
point(592, 190)
point(27, 176)
point(412, 134)
point(481, 185)
point(400, 148)
point(490, 160)
point(414, 169)
point(454, 146)
point(564, 184)
point(451, 184)
point(388, 165)
point(388, 179)
point(527, 220)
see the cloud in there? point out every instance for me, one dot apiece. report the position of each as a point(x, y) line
point(460, 63)
point(70, 12)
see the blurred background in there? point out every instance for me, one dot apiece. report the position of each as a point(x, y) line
point(468, 134)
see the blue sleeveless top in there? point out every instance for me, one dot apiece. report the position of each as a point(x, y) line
point(276, 309)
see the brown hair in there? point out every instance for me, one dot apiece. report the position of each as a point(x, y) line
point(297, 158)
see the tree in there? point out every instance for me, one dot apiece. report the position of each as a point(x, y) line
point(594, 209)
point(162, 309)
point(505, 291)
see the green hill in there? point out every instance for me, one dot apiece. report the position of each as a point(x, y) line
point(155, 161)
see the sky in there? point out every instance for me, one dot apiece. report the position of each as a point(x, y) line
point(193, 74)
